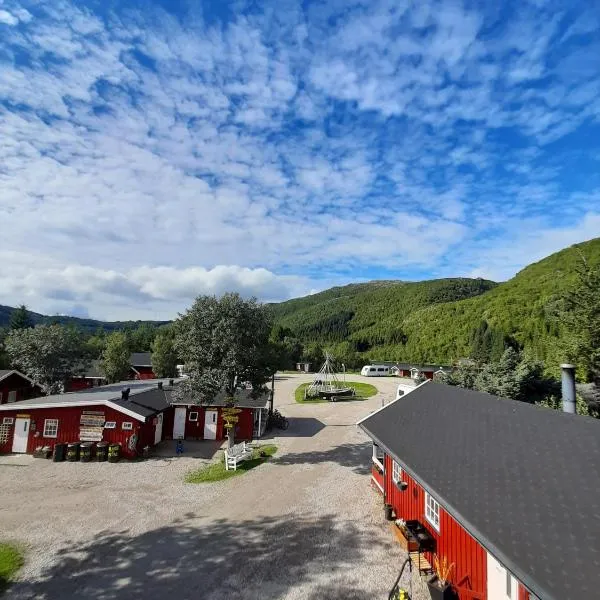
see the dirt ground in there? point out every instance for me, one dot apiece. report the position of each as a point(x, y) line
point(306, 525)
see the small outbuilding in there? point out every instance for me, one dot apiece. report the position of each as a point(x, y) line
point(303, 367)
point(141, 365)
point(205, 421)
point(129, 413)
point(15, 387)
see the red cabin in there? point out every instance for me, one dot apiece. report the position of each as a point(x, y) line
point(15, 386)
point(141, 366)
point(109, 413)
point(205, 421)
point(505, 491)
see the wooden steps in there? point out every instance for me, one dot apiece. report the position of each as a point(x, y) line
point(420, 562)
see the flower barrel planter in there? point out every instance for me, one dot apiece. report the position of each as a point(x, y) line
point(437, 591)
point(114, 453)
point(73, 452)
point(85, 452)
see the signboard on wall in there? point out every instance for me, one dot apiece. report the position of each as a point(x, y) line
point(91, 425)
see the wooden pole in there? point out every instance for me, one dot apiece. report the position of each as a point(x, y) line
point(272, 394)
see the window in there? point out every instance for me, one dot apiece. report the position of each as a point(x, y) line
point(380, 370)
point(396, 472)
point(51, 428)
point(127, 425)
point(432, 511)
point(508, 584)
point(12, 396)
point(193, 416)
point(372, 370)
point(110, 425)
point(8, 421)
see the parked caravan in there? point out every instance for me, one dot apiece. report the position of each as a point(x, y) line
point(375, 371)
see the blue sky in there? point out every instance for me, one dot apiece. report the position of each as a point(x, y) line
point(151, 151)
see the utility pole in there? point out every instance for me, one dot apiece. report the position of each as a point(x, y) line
point(272, 394)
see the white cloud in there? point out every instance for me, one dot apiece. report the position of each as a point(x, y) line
point(8, 18)
point(203, 155)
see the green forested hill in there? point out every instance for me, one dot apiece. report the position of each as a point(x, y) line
point(438, 320)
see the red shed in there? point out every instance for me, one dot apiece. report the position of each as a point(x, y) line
point(15, 386)
point(93, 377)
point(493, 486)
point(109, 413)
point(205, 421)
point(141, 366)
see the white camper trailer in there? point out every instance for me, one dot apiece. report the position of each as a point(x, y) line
point(375, 371)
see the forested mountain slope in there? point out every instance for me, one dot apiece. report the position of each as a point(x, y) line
point(440, 320)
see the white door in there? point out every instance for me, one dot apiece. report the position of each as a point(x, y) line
point(210, 425)
point(158, 430)
point(21, 434)
point(179, 423)
point(501, 585)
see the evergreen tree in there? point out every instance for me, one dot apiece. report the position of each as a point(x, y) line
point(20, 319)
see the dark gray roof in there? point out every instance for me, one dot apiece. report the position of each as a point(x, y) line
point(405, 366)
point(522, 479)
point(243, 399)
point(140, 359)
point(145, 398)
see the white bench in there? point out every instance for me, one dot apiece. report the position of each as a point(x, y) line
point(237, 454)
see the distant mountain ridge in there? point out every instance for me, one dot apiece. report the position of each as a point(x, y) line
point(426, 321)
point(88, 325)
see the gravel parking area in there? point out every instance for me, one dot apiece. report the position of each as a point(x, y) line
point(305, 525)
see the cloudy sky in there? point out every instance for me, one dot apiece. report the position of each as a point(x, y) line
point(151, 151)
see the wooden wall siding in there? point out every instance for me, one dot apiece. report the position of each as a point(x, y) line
point(69, 424)
point(377, 476)
point(194, 430)
point(23, 388)
point(144, 373)
point(470, 567)
point(523, 593)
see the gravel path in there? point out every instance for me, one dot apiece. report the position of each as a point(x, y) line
point(306, 525)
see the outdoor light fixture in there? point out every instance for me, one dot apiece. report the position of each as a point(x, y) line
point(402, 485)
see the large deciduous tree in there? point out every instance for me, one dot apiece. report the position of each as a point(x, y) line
point(224, 344)
point(164, 356)
point(115, 363)
point(48, 354)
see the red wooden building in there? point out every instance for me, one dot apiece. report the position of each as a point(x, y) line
point(507, 490)
point(108, 413)
point(141, 366)
point(15, 386)
point(205, 421)
point(414, 371)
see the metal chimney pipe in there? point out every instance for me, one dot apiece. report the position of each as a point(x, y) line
point(568, 387)
point(160, 385)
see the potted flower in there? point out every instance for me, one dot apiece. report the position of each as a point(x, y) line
point(439, 588)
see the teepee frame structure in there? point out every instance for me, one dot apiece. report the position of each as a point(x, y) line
point(326, 383)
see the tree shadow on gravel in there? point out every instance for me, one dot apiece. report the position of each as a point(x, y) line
point(249, 560)
point(355, 456)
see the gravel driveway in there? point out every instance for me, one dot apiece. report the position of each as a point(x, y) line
point(306, 525)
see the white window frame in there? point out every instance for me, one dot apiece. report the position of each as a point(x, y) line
point(12, 396)
point(509, 585)
point(375, 459)
point(193, 413)
point(8, 421)
point(432, 511)
point(396, 472)
point(52, 425)
point(110, 425)
point(127, 425)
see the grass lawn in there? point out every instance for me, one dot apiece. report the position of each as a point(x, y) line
point(216, 471)
point(11, 560)
point(363, 391)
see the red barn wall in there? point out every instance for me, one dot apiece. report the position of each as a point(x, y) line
point(453, 542)
point(23, 388)
point(143, 373)
point(69, 423)
point(194, 430)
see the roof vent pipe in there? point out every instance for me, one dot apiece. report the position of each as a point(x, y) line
point(171, 382)
point(160, 383)
point(568, 387)
point(125, 394)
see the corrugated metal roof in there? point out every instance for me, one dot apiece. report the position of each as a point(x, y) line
point(522, 479)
